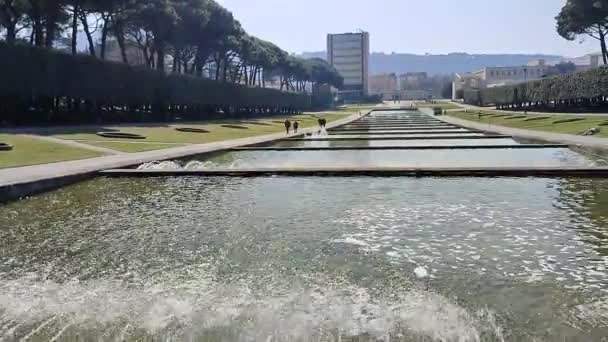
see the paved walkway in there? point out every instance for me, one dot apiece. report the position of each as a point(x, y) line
point(569, 139)
point(487, 109)
point(29, 174)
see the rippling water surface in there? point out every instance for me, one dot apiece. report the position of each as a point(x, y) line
point(538, 157)
point(308, 259)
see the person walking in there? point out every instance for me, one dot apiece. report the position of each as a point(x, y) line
point(287, 126)
point(296, 125)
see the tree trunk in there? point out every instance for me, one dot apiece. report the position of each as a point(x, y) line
point(151, 53)
point(174, 66)
point(242, 72)
point(75, 29)
point(87, 31)
point(147, 57)
point(225, 71)
point(51, 28)
point(255, 75)
point(218, 63)
point(160, 58)
point(37, 29)
point(237, 72)
point(120, 38)
point(251, 76)
point(104, 36)
point(260, 76)
point(11, 33)
point(38, 32)
point(603, 44)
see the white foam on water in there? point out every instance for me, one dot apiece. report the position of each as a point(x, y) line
point(421, 272)
point(351, 241)
point(318, 134)
point(243, 314)
point(162, 165)
point(191, 165)
point(595, 313)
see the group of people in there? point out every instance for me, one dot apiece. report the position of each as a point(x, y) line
point(289, 125)
point(295, 125)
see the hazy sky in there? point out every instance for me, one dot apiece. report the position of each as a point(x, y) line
point(412, 26)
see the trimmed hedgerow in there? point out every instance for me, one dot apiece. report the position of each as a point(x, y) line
point(40, 85)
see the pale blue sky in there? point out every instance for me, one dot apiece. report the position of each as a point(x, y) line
point(412, 26)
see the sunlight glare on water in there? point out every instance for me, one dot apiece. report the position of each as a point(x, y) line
point(281, 259)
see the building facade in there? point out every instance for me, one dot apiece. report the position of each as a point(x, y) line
point(383, 84)
point(412, 80)
point(499, 76)
point(349, 54)
point(414, 77)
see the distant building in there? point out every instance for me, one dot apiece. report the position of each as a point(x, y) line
point(349, 54)
point(409, 95)
point(489, 77)
point(583, 63)
point(383, 84)
point(498, 76)
point(414, 77)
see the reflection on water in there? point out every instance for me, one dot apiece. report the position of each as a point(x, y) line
point(308, 259)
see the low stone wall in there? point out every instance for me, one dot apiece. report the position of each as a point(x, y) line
point(18, 191)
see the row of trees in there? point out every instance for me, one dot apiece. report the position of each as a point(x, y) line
point(46, 87)
point(580, 18)
point(195, 37)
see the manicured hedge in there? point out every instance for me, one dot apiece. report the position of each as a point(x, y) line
point(584, 87)
point(50, 83)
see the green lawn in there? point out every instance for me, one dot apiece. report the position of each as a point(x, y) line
point(31, 151)
point(542, 124)
point(442, 105)
point(156, 135)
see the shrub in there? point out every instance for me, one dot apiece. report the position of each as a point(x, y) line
point(437, 110)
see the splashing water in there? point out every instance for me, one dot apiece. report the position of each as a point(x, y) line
point(318, 134)
point(421, 272)
point(241, 313)
point(191, 165)
point(163, 165)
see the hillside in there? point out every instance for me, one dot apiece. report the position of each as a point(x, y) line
point(440, 64)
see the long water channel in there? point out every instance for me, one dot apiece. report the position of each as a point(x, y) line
point(317, 258)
